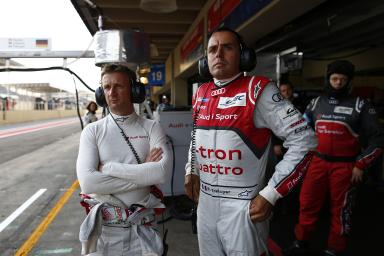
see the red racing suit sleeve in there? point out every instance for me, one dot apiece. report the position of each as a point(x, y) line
point(371, 135)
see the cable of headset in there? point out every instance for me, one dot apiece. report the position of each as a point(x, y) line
point(165, 231)
point(7, 69)
point(46, 69)
point(127, 140)
point(77, 105)
point(193, 160)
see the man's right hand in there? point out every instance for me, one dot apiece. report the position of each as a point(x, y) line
point(278, 150)
point(192, 186)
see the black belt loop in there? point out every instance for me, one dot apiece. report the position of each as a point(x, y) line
point(329, 158)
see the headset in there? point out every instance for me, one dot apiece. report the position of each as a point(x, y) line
point(137, 91)
point(247, 55)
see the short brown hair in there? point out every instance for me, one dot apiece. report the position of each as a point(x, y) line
point(110, 68)
point(89, 105)
point(287, 83)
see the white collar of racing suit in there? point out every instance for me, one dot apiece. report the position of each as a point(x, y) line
point(221, 83)
point(124, 119)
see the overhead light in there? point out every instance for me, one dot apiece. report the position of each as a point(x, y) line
point(288, 51)
point(158, 6)
point(144, 79)
point(144, 69)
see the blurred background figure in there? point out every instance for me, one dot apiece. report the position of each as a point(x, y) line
point(286, 90)
point(90, 116)
point(164, 105)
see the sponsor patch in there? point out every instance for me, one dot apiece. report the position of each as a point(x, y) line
point(296, 123)
point(239, 100)
point(343, 110)
point(202, 99)
point(330, 117)
point(287, 113)
point(245, 193)
point(217, 116)
point(257, 90)
point(359, 105)
point(302, 128)
point(277, 97)
point(333, 101)
point(218, 91)
point(372, 111)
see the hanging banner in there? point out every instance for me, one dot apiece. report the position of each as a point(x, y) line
point(233, 13)
point(219, 10)
point(192, 48)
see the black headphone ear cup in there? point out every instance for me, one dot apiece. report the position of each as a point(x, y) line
point(100, 97)
point(203, 68)
point(137, 92)
point(247, 59)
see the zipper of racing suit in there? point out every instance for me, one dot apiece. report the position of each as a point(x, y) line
point(221, 84)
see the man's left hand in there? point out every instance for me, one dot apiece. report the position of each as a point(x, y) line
point(260, 209)
point(155, 155)
point(357, 175)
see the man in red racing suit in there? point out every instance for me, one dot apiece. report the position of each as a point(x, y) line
point(234, 117)
point(342, 122)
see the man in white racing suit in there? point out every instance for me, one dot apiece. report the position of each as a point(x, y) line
point(233, 119)
point(110, 172)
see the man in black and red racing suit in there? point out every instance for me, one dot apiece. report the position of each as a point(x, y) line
point(343, 124)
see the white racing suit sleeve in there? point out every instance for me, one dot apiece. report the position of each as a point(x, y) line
point(287, 123)
point(150, 173)
point(91, 180)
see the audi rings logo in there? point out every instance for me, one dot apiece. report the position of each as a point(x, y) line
point(218, 92)
point(277, 97)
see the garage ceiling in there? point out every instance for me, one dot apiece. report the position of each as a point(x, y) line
point(335, 27)
point(332, 28)
point(165, 30)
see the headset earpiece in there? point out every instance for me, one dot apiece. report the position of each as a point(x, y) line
point(247, 59)
point(100, 97)
point(137, 94)
point(203, 68)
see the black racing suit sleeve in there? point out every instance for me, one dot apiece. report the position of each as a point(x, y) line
point(371, 137)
